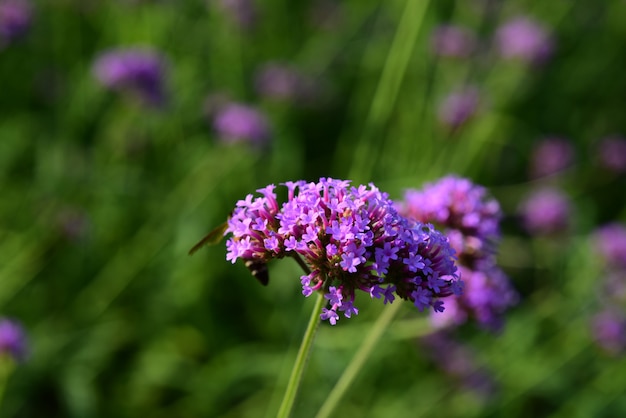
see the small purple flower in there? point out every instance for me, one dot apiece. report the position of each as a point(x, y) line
point(551, 156)
point(453, 41)
point(137, 72)
point(458, 107)
point(459, 362)
point(545, 211)
point(12, 339)
point(15, 20)
point(525, 39)
point(242, 12)
point(353, 239)
point(612, 154)
point(609, 330)
point(281, 82)
point(240, 123)
point(610, 241)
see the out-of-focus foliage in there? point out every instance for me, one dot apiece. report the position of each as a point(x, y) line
point(102, 195)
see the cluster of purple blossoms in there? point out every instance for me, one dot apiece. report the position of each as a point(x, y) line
point(612, 154)
point(610, 240)
point(12, 340)
point(137, 72)
point(351, 238)
point(241, 12)
point(281, 82)
point(471, 220)
point(524, 39)
point(234, 122)
point(545, 211)
point(453, 41)
point(15, 20)
point(459, 362)
point(458, 107)
point(550, 156)
point(608, 326)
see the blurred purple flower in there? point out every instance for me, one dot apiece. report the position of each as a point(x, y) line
point(138, 72)
point(609, 330)
point(351, 238)
point(459, 362)
point(458, 107)
point(235, 122)
point(525, 39)
point(279, 81)
point(453, 41)
point(15, 20)
point(487, 295)
point(242, 12)
point(545, 211)
point(612, 154)
point(610, 240)
point(471, 220)
point(550, 156)
point(12, 339)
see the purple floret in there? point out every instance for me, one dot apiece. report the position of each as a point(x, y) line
point(545, 211)
point(610, 241)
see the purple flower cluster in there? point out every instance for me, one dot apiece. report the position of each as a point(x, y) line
point(12, 339)
point(610, 240)
point(137, 72)
point(351, 238)
point(609, 325)
point(459, 362)
point(550, 156)
point(281, 82)
point(545, 211)
point(609, 330)
point(471, 220)
point(453, 41)
point(458, 107)
point(234, 122)
point(524, 39)
point(15, 20)
point(612, 154)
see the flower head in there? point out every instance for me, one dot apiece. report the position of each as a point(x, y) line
point(550, 156)
point(453, 41)
point(471, 220)
point(12, 339)
point(545, 211)
point(610, 240)
point(138, 72)
point(458, 107)
point(457, 204)
point(525, 39)
point(235, 122)
point(609, 330)
point(612, 154)
point(15, 20)
point(352, 238)
point(281, 82)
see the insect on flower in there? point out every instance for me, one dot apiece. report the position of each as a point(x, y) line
point(258, 269)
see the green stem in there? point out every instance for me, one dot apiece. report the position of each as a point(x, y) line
point(303, 355)
point(349, 374)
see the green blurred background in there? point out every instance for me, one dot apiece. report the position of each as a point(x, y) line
point(102, 197)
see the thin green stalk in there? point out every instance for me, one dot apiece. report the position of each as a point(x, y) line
point(349, 374)
point(303, 354)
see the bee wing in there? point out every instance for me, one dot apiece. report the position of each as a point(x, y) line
point(211, 238)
